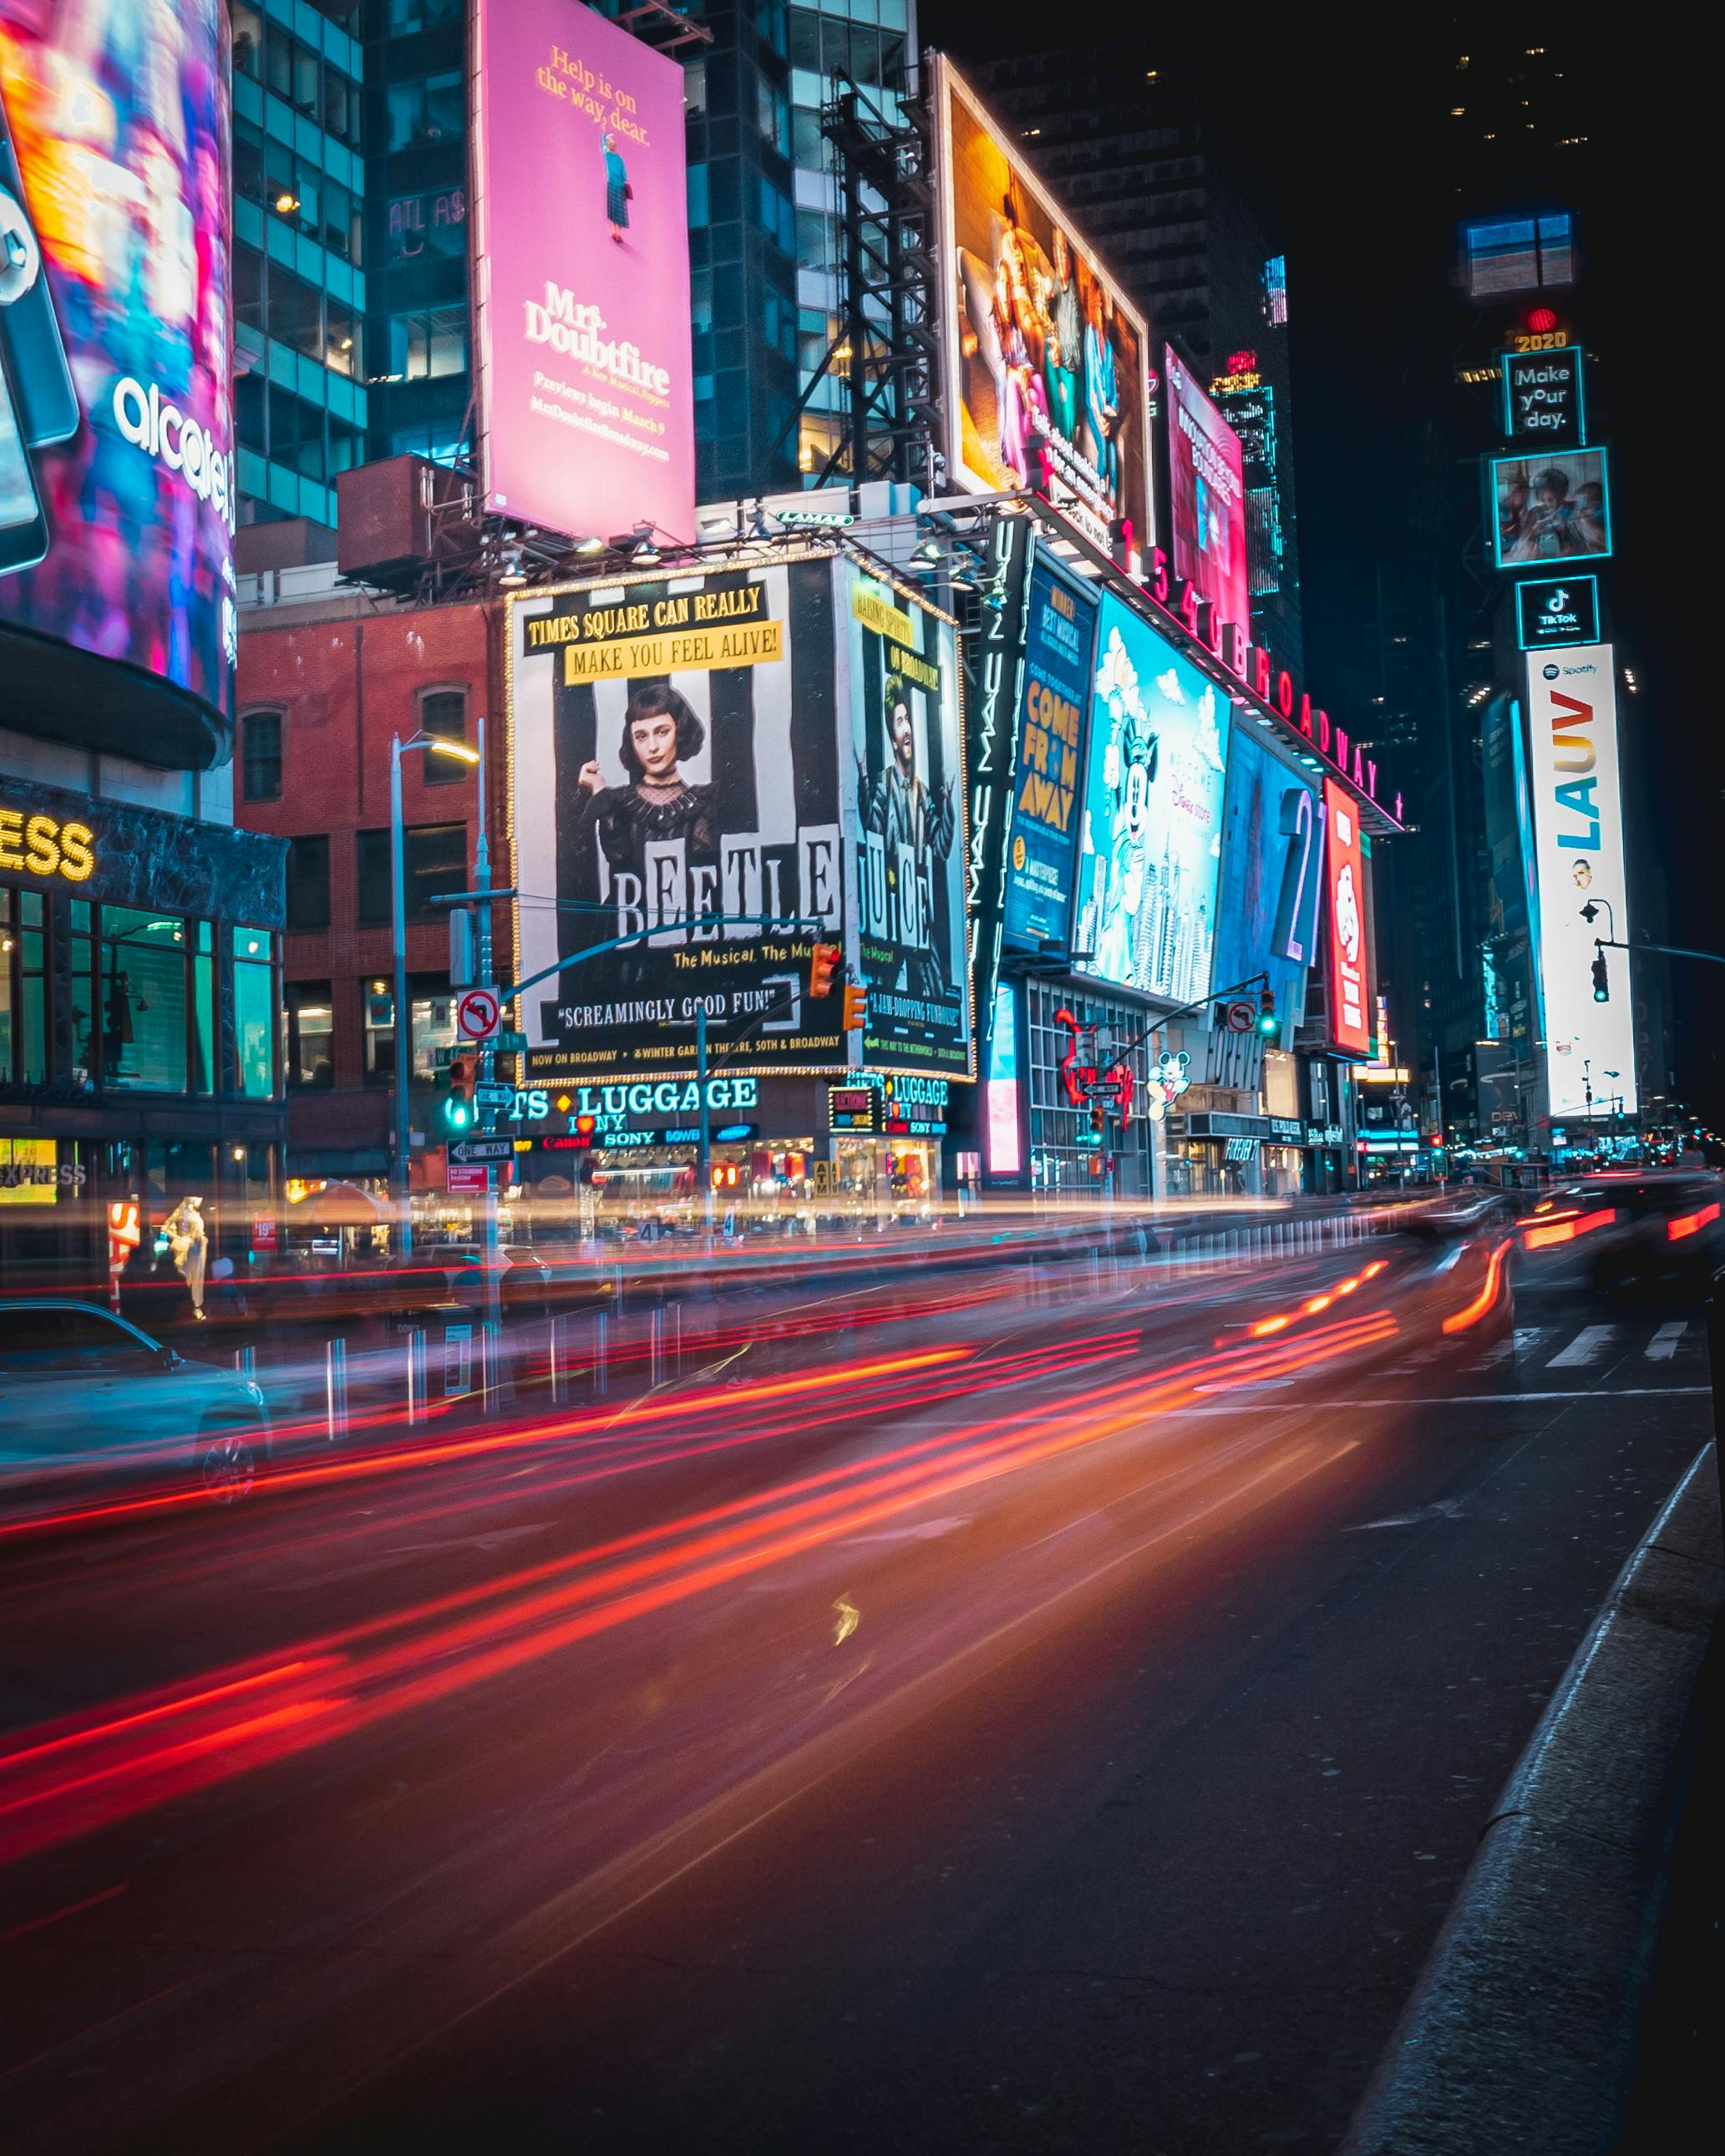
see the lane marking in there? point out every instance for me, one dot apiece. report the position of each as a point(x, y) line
point(1525, 1335)
point(1514, 1400)
point(1587, 1346)
point(1663, 1345)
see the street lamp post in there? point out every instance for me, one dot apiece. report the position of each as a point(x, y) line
point(438, 746)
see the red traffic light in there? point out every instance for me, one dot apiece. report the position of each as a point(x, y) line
point(824, 961)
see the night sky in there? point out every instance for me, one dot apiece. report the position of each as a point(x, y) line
point(1357, 169)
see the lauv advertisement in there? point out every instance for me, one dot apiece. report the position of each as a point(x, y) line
point(1152, 840)
point(1578, 838)
point(580, 274)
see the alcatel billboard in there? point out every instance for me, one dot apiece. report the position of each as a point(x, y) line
point(580, 274)
point(1345, 888)
point(1578, 842)
point(117, 601)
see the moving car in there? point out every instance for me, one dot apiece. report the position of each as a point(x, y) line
point(84, 1394)
point(1635, 1227)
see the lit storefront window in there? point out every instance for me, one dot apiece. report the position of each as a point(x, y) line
point(143, 1001)
point(254, 1011)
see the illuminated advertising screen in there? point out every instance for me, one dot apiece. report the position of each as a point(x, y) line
point(678, 750)
point(1046, 357)
point(1272, 872)
point(898, 666)
point(1578, 853)
point(1543, 398)
point(1556, 610)
point(580, 274)
point(116, 434)
point(1059, 637)
point(1551, 508)
point(717, 770)
point(1207, 509)
point(1150, 845)
point(1345, 889)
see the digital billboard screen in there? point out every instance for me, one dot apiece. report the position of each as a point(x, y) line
point(1207, 508)
point(678, 750)
point(116, 435)
point(776, 744)
point(1060, 635)
point(1573, 775)
point(580, 231)
point(1150, 844)
point(1553, 507)
point(1349, 990)
point(1272, 872)
point(1556, 610)
point(1046, 357)
point(898, 664)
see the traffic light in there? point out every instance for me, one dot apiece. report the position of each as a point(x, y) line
point(824, 960)
point(1269, 1024)
point(1602, 980)
point(458, 1101)
point(1098, 1118)
point(856, 1008)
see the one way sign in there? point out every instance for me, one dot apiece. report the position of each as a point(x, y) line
point(470, 1149)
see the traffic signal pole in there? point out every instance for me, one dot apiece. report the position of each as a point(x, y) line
point(492, 1283)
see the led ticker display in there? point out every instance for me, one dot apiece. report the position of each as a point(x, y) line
point(1578, 851)
point(1059, 637)
point(1555, 508)
point(851, 1107)
point(117, 482)
point(1543, 398)
point(1558, 610)
point(1046, 356)
point(1345, 889)
point(582, 318)
point(1207, 510)
point(1151, 841)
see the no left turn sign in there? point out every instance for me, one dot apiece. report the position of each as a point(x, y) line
point(478, 1014)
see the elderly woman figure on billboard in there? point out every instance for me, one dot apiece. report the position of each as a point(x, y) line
point(618, 193)
point(657, 807)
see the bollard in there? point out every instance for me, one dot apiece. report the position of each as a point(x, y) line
point(335, 1388)
point(490, 1370)
point(617, 1285)
point(557, 1359)
point(677, 1338)
point(602, 1360)
point(416, 1376)
point(656, 1336)
point(245, 1361)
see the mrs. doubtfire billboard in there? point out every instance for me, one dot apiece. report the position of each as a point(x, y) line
point(712, 771)
point(581, 273)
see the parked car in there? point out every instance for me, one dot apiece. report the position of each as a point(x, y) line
point(84, 1394)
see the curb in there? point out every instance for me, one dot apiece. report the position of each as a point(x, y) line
point(1521, 2031)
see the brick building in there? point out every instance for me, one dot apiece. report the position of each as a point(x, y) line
point(328, 677)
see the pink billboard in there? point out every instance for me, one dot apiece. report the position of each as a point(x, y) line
point(580, 274)
point(1207, 491)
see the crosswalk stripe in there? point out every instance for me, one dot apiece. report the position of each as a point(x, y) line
point(1525, 1335)
point(1587, 1346)
point(1501, 1353)
point(1663, 1345)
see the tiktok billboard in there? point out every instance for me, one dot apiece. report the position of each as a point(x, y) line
point(580, 274)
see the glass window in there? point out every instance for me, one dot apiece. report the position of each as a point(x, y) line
point(260, 773)
point(343, 352)
point(278, 60)
point(430, 108)
point(804, 39)
point(143, 985)
point(308, 884)
point(203, 1007)
point(373, 878)
point(433, 1034)
point(436, 862)
point(697, 195)
point(247, 162)
point(694, 86)
point(247, 39)
point(294, 314)
point(308, 84)
point(427, 344)
point(85, 999)
point(444, 714)
point(431, 224)
point(58, 1338)
point(312, 1036)
point(339, 230)
point(254, 1012)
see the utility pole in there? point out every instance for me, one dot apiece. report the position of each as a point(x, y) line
point(492, 1283)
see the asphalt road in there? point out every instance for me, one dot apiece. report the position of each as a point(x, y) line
point(960, 1722)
